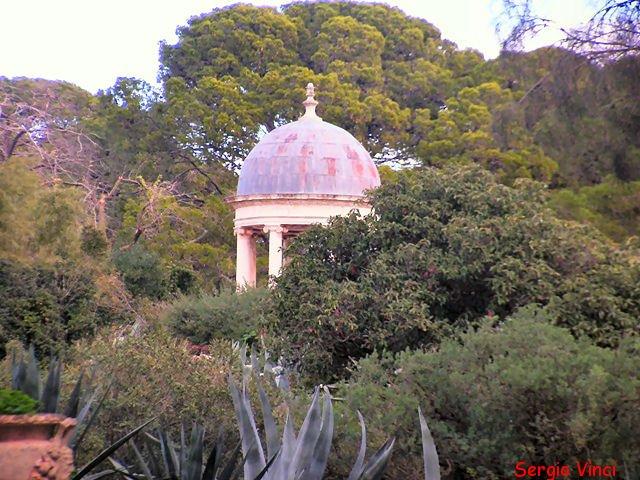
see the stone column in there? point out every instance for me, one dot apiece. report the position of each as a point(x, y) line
point(275, 248)
point(245, 259)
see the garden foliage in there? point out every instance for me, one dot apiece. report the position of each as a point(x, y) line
point(518, 390)
point(230, 315)
point(444, 248)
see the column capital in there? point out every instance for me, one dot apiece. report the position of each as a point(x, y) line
point(242, 231)
point(274, 228)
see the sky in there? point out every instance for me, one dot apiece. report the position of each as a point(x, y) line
point(93, 42)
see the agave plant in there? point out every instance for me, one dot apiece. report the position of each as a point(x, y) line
point(161, 459)
point(303, 455)
point(26, 377)
point(429, 452)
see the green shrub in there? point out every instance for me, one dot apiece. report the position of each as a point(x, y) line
point(142, 272)
point(149, 374)
point(14, 402)
point(94, 242)
point(226, 315)
point(48, 306)
point(524, 390)
point(182, 279)
point(444, 248)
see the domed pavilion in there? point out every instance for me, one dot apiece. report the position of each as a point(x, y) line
point(299, 174)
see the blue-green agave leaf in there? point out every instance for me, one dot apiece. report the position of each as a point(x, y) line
point(376, 465)
point(320, 454)
point(358, 466)
point(429, 453)
point(252, 451)
point(270, 428)
point(308, 436)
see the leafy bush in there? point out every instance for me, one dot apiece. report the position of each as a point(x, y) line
point(49, 306)
point(226, 315)
point(611, 206)
point(142, 272)
point(524, 390)
point(94, 242)
point(444, 248)
point(14, 402)
point(153, 373)
point(146, 275)
point(182, 279)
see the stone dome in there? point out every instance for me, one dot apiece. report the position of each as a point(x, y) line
point(308, 156)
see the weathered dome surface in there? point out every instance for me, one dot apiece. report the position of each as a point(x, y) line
point(308, 156)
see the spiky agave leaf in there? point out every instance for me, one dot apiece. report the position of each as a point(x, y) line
point(18, 372)
point(308, 437)
point(28, 375)
point(169, 456)
point(247, 404)
point(100, 475)
point(230, 468)
point(254, 461)
point(156, 464)
point(267, 468)
point(270, 428)
point(51, 391)
point(282, 467)
point(374, 469)
point(142, 463)
point(107, 452)
point(213, 460)
point(358, 466)
point(193, 457)
point(122, 469)
point(429, 452)
point(182, 455)
point(87, 416)
point(73, 405)
point(320, 454)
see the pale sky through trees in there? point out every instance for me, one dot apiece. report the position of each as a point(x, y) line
point(92, 42)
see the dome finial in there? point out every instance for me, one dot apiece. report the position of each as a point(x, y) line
point(310, 103)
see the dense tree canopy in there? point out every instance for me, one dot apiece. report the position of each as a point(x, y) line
point(408, 94)
point(405, 92)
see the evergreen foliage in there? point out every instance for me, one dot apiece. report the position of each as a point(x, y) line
point(522, 389)
point(52, 291)
point(230, 315)
point(444, 248)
